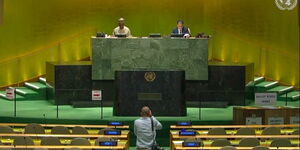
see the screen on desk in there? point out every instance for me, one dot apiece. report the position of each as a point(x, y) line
point(108, 143)
point(115, 123)
point(184, 123)
point(177, 35)
point(121, 35)
point(191, 144)
point(187, 133)
point(112, 132)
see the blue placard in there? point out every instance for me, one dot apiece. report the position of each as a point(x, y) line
point(187, 133)
point(184, 123)
point(115, 123)
point(191, 144)
point(112, 132)
point(108, 143)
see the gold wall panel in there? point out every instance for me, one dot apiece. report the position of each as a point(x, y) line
point(35, 31)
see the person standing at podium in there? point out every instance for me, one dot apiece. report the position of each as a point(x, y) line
point(145, 129)
point(181, 29)
point(121, 29)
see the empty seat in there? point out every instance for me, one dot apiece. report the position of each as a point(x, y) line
point(6, 129)
point(21, 140)
point(79, 130)
point(245, 131)
point(249, 142)
point(281, 143)
point(271, 131)
point(80, 141)
point(217, 131)
point(260, 148)
point(228, 148)
point(34, 128)
point(3, 148)
point(101, 132)
point(50, 141)
point(296, 132)
point(102, 139)
point(220, 143)
point(60, 130)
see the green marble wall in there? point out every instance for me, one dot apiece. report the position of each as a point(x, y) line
point(111, 54)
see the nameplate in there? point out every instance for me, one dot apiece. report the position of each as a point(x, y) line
point(295, 120)
point(184, 123)
point(112, 132)
point(253, 120)
point(262, 99)
point(149, 96)
point(108, 143)
point(275, 120)
point(191, 144)
point(115, 123)
point(187, 133)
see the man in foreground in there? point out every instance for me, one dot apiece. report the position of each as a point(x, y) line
point(143, 129)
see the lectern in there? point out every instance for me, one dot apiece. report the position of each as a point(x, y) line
point(161, 90)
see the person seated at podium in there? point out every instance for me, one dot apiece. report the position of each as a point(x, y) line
point(143, 129)
point(122, 29)
point(181, 29)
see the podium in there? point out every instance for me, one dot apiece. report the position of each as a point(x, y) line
point(162, 91)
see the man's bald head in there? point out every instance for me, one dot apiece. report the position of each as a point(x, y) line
point(121, 23)
point(146, 112)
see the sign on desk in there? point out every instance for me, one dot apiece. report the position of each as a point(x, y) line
point(263, 99)
point(253, 120)
point(275, 120)
point(96, 95)
point(10, 93)
point(295, 120)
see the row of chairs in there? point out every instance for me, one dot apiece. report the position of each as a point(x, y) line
point(249, 131)
point(38, 129)
point(54, 141)
point(246, 142)
point(254, 148)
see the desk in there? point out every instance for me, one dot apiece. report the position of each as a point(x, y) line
point(120, 146)
point(234, 139)
point(66, 125)
point(240, 114)
point(111, 54)
point(178, 146)
point(124, 135)
point(234, 126)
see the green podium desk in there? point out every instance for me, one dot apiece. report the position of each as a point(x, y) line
point(112, 54)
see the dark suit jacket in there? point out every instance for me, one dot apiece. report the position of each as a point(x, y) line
point(185, 30)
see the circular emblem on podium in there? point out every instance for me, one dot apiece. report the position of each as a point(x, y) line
point(150, 76)
point(286, 4)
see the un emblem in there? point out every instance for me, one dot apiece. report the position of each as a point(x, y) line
point(286, 4)
point(150, 76)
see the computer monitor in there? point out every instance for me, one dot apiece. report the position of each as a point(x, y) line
point(187, 133)
point(112, 132)
point(184, 123)
point(154, 35)
point(108, 143)
point(121, 35)
point(100, 34)
point(191, 144)
point(115, 123)
point(177, 35)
